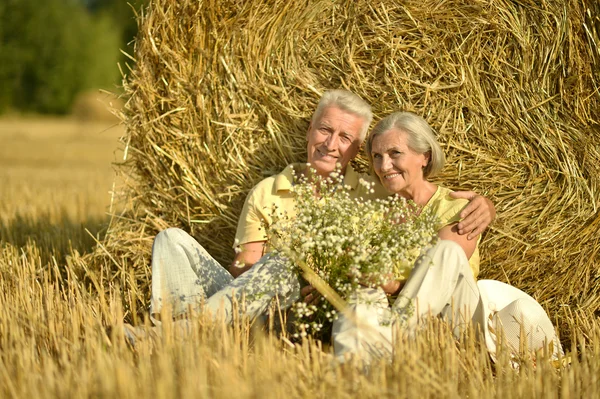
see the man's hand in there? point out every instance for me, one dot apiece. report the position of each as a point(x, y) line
point(476, 216)
point(310, 295)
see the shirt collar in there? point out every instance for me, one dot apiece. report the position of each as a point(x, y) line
point(285, 179)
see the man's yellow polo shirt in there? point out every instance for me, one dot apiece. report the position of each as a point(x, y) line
point(275, 191)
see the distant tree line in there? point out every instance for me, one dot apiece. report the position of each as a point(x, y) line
point(51, 50)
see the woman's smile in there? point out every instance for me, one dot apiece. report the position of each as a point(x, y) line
point(399, 168)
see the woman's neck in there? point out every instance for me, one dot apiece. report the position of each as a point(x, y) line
point(420, 194)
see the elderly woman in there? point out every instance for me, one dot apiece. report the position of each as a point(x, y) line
point(404, 154)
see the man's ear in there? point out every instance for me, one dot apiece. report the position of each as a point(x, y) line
point(308, 130)
point(357, 148)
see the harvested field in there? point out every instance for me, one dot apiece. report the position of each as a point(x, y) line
point(56, 177)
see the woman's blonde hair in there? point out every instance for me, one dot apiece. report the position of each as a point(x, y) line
point(420, 139)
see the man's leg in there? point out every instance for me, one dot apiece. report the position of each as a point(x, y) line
point(183, 273)
point(253, 291)
point(441, 283)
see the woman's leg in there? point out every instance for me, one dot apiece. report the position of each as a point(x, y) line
point(441, 284)
point(183, 273)
point(365, 327)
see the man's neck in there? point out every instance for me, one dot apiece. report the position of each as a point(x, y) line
point(309, 174)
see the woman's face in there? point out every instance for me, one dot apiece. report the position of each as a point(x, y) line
point(399, 168)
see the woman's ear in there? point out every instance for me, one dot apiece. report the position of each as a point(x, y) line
point(427, 156)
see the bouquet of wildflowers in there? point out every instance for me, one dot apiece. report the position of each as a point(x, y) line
point(348, 242)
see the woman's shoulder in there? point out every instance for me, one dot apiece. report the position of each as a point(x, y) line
point(442, 196)
point(445, 207)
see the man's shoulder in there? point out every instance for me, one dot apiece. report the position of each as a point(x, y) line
point(265, 184)
point(271, 185)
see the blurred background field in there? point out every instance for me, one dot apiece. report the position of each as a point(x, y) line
point(56, 180)
point(58, 135)
point(57, 165)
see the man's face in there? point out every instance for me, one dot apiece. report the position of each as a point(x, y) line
point(333, 138)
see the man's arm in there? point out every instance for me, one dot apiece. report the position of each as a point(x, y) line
point(476, 216)
point(250, 253)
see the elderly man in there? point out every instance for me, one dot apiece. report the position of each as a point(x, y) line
point(183, 273)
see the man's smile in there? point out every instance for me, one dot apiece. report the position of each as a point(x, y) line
point(333, 138)
point(325, 155)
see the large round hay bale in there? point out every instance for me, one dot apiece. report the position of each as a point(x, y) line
point(221, 94)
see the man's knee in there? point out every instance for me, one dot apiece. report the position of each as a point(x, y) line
point(170, 236)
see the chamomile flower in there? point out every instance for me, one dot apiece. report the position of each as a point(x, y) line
point(348, 242)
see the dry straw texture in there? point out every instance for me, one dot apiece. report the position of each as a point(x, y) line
point(221, 93)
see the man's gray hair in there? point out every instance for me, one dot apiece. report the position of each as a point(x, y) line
point(420, 138)
point(346, 101)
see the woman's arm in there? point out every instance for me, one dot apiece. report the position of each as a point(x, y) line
point(477, 215)
point(451, 233)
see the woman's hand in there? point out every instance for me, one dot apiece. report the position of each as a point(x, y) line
point(476, 216)
point(311, 296)
point(392, 287)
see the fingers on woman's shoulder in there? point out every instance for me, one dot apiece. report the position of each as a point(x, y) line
point(468, 195)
